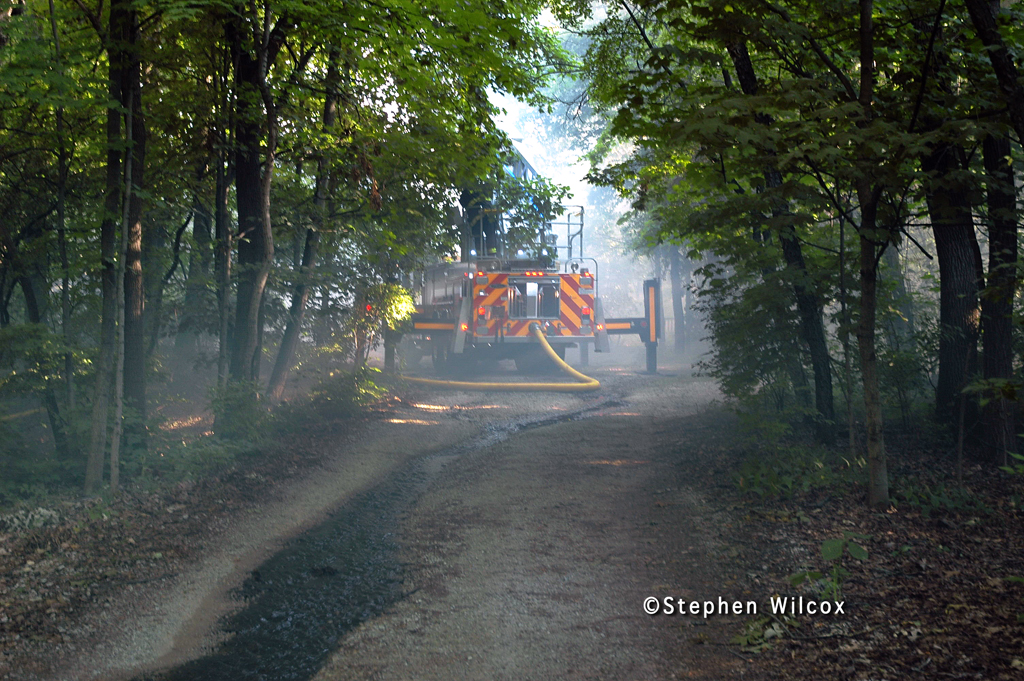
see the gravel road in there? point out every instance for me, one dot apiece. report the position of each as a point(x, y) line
point(544, 522)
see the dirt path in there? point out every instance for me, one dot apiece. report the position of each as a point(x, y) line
point(527, 557)
point(531, 559)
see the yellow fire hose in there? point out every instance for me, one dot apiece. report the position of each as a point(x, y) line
point(586, 383)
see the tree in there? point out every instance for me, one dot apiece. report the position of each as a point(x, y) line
point(997, 299)
point(300, 294)
point(210, 106)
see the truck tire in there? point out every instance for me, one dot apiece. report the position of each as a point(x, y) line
point(439, 357)
point(409, 353)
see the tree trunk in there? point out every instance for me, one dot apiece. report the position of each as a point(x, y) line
point(844, 338)
point(186, 339)
point(878, 478)
point(5, 294)
point(252, 193)
point(157, 285)
point(154, 255)
point(903, 322)
point(108, 256)
point(997, 300)
point(255, 254)
point(293, 329)
point(134, 369)
point(678, 291)
point(811, 323)
point(798, 377)
point(58, 427)
point(813, 329)
point(62, 243)
point(959, 268)
point(868, 197)
point(122, 277)
point(222, 267)
point(300, 293)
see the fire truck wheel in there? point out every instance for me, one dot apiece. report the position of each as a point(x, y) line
point(439, 356)
point(410, 353)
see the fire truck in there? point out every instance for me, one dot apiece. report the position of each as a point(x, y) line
point(483, 306)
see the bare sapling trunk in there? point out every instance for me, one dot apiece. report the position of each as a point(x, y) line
point(115, 438)
point(62, 244)
point(197, 283)
point(61, 442)
point(868, 197)
point(160, 285)
point(108, 277)
point(844, 339)
point(676, 271)
point(222, 269)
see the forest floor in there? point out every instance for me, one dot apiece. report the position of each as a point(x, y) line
point(940, 593)
point(530, 557)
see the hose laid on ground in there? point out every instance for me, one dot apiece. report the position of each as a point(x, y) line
point(586, 382)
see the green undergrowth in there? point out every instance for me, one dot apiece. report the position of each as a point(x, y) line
point(783, 471)
point(175, 461)
point(245, 429)
point(340, 396)
point(758, 632)
point(938, 499)
point(245, 432)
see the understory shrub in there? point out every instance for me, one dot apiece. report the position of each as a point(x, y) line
point(339, 396)
point(938, 499)
point(782, 472)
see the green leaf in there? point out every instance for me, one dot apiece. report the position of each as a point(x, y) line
point(857, 551)
point(832, 549)
point(801, 577)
